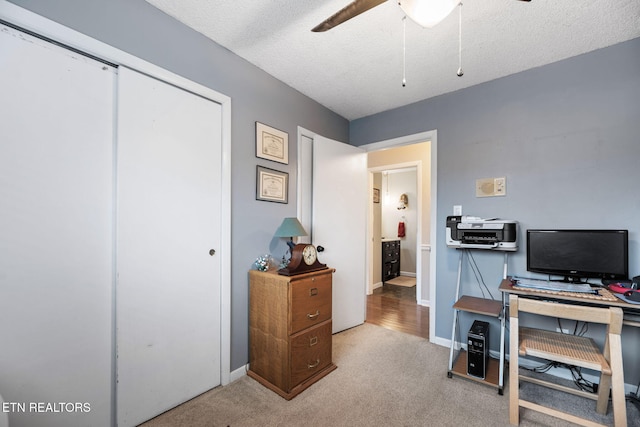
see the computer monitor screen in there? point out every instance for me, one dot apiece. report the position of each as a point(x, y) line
point(578, 254)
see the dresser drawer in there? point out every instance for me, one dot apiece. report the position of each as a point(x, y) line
point(310, 352)
point(310, 302)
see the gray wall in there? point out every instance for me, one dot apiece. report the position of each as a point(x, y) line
point(138, 28)
point(566, 136)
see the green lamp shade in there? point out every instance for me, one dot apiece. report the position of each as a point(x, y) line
point(290, 227)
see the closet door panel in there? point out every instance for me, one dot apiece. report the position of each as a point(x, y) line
point(168, 289)
point(56, 228)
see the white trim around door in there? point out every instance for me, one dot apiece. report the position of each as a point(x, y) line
point(432, 136)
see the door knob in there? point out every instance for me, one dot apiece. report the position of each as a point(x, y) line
point(320, 248)
point(212, 252)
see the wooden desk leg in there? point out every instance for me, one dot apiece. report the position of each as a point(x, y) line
point(617, 383)
point(514, 386)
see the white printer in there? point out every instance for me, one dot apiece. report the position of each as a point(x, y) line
point(470, 232)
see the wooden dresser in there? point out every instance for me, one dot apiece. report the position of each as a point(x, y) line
point(390, 259)
point(290, 330)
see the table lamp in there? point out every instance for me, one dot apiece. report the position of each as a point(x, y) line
point(290, 228)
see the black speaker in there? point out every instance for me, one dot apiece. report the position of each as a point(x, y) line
point(478, 349)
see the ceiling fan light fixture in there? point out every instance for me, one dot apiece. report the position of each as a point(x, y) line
point(428, 13)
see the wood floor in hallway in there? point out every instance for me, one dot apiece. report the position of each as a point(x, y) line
point(394, 307)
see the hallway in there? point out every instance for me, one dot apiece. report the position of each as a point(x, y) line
point(394, 307)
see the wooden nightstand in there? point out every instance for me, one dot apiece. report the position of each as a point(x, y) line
point(290, 330)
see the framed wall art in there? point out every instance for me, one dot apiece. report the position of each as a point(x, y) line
point(272, 144)
point(272, 185)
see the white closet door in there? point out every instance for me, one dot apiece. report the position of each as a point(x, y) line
point(168, 221)
point(56, 231)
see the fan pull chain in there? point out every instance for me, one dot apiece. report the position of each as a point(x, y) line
point(460, 72)
point(404, 51)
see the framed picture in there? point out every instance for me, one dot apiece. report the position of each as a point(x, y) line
point(376, 195)
point(272, 185)
point(272, 144)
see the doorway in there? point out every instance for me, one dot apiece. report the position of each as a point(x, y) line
point(392, 303)
point(394, 216)
point(394, 223)
point(417, 151)
point(389, 152)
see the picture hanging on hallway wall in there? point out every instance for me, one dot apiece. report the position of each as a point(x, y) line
point(376, 195)
point(272, 144)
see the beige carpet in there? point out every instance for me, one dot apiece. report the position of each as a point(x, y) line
point(384, 378)
point(405, 281)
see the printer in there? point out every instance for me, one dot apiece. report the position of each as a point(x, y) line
point(470, 232)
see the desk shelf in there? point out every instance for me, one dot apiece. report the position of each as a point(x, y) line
point(493, 371)
point(484, 307)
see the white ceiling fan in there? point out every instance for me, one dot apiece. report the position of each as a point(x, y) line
point(425, 13)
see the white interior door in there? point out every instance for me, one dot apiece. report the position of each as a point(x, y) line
point(339, 225)
point(168, 221)
point(56, 228)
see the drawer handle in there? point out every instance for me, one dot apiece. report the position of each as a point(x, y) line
point(313, 292)
point(313, 341)
point(313, 316)
point(314, 365)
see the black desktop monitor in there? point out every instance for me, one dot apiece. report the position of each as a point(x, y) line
point(579, 254)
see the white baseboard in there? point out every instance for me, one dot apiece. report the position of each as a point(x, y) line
point(238, 373)
point(408, 274)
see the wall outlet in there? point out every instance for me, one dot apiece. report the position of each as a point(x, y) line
point(457, 210)
point(563, 330)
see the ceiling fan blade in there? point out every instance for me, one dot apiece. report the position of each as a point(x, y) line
point(355, 8)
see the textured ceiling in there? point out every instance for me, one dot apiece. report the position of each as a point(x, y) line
point(356, 69)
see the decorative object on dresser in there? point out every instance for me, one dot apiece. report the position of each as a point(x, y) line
point(290, 341)
point(290, 228)
point(304, 259)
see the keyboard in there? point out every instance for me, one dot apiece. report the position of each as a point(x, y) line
point(549, 285)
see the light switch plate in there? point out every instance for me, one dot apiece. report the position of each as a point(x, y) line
point(500, 186)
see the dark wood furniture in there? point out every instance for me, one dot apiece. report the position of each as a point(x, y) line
point(390, 259)
point(290, 341)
